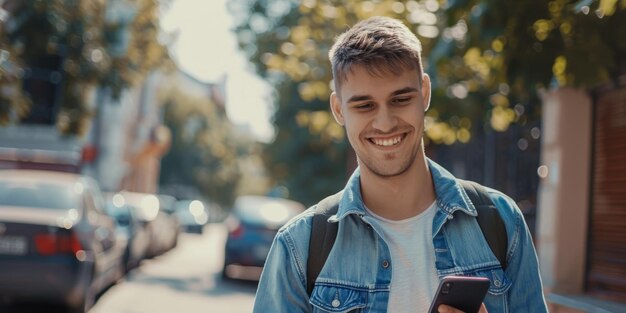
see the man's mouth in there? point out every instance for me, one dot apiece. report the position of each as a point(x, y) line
point(388, 142)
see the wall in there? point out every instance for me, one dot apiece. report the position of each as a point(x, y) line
point(564, 190)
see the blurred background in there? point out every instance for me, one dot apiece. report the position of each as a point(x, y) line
point(150, 149)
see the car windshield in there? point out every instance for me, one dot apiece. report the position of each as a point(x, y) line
point(117, 211)
point(37, 195)
point(268, 211)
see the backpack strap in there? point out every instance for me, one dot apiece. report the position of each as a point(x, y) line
point(323, 236)
point(488, 219)
point(323, 233)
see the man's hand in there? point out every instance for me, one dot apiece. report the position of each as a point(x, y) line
point(448, 309)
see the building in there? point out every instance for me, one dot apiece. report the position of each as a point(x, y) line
point(128, 139)
point(124, 135)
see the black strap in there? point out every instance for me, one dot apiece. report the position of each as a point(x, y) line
point(488, 219)
point(323, 233)
point(323, 236)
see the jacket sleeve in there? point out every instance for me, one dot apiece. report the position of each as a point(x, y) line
point(282, 287)
point(526, 292)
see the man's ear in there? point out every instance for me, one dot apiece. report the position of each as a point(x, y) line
point(426, 91)
point(335, 107)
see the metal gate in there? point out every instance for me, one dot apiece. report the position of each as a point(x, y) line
point(606, 274)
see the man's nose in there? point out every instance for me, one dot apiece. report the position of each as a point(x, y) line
point(385, 121)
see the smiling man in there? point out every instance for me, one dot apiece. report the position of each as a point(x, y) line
point(404, 222)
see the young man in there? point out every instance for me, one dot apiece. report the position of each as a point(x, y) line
point(404, 222)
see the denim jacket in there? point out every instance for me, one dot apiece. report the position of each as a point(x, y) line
point(357, 273)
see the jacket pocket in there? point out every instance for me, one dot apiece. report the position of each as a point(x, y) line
point(499, 283)
point(338, 298)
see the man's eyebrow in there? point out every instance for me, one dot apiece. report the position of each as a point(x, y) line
point(404, 90)
point(357, 98)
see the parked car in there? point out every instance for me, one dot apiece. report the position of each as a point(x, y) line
point(252, 226)
point(56, 242)
point(161, 229)
point(167, 205)
point(130, 229)
point(193, 215)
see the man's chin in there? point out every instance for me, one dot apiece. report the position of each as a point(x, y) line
point(388, 172)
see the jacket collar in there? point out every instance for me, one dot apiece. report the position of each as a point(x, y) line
point(450, 195)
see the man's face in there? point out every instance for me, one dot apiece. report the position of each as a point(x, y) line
point(384, 118)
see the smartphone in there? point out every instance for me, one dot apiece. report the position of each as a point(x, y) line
point(463, 293)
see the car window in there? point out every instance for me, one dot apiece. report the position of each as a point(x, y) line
point(89, 202)
point(266, 210)
point(114, 210)
point(96, 194)
point(37, 195)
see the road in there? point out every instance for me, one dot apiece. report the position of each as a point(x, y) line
point(187, 278)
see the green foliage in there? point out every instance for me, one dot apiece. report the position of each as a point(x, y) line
point(486, 58)
point(204, 151)
point(12, 98)
point(544, 42)
point(308, 155)
point(96, 46)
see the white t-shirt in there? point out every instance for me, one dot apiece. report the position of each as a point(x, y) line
point(414, 278)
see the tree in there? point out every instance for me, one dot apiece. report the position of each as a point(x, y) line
point(308, 144)
point(486, 58)
point(204, 151)
point(69, 47)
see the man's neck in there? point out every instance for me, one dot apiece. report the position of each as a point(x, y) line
point(399, 197)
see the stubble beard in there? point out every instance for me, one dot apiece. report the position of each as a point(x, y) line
point(382, 171)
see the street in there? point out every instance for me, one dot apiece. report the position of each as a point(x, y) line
point(187, 278)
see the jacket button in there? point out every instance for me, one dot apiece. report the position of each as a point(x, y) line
point(385, 264)
point(497, 283)
point(335, 303)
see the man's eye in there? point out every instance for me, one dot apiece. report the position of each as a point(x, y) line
point(364, 106)
point(403, 100)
